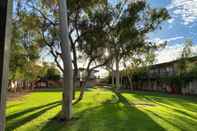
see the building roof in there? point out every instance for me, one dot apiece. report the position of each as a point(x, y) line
point(194, 58)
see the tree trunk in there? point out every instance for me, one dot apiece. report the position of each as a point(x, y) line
point(117, 74)
point(121, 83)
point(130, 83)
point(82, 89)
point(75, 65)
point(66, 113)
point(5, 38)
point(75, 79)
point(112, 78)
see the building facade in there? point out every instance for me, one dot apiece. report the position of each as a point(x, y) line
point(165, 77)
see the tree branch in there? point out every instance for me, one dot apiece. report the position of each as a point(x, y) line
point(42, 14)
point(52, 52)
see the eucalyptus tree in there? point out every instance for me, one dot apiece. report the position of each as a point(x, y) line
point(25, 53)
point(137, 64)
point(185, 54)
point(93, 43)
point(47, 20)
point(25, 49)
point(132, 21)
point(44, 24)
point(118, 29)
point(66, 113)
point(45, 16)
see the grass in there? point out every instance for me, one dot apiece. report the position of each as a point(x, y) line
point(103, 110)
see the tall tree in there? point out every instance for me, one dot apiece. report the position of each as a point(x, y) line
point(93, 43)
point(47, 20)
point(5, 36)
point(66, 113)
point(24, 53)
point(120, 29)
point(132, 21)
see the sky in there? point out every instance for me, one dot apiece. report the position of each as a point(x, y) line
point(181, 26)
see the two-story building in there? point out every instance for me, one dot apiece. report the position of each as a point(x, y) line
point(160, 78)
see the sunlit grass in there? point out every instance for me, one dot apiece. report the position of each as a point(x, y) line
point(103, 110)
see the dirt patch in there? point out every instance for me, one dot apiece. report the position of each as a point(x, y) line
point(15, 96)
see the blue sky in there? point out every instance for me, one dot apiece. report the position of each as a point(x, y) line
point(182, 26)
point(178, 26)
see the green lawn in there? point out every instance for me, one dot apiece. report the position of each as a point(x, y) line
point(103, 110)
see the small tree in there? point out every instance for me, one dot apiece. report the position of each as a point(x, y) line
point(184, 64)
point(53, 73)
point(185, 54)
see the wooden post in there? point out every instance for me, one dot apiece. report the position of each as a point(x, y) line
point(5, 36)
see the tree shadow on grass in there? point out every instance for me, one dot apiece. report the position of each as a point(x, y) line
point(108, 116)
point(169, 105)
point(180, 123)
point(117, 117)
point(187, 102)
point(18, 119)
point(177, 110)
point(18, 114)
point(171, 113)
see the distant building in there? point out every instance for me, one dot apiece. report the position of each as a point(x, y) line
point(93, 79)
point(167, 68)
point(163, 77)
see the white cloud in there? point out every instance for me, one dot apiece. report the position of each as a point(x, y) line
point(171, 20)
point(171, 53)
point(187, 9)
point(174, 38)
point(159, 40)
point(167, 54)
